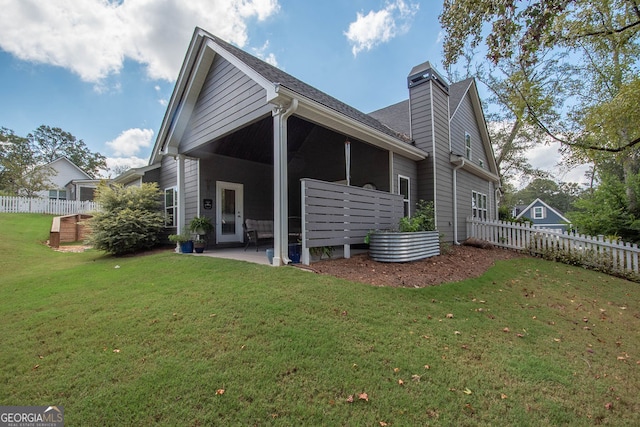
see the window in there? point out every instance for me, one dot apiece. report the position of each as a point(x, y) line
point(467, 146)
point(481, 163)
point(58, 194)
point(478, 205)
point(404, 188)
point(170, 207)
point(538, 212)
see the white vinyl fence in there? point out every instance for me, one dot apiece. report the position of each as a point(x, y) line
point(9, 204)
point(598, 252)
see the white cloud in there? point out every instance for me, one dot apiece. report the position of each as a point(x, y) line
point(548, 157)
point(117, 165)
point(93, 38)
point(261, 52)
point(374, 28)
point(130, 142)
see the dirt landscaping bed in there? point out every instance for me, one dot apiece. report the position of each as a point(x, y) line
point(458, 263)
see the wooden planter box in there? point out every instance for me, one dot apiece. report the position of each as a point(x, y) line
point(403, 247)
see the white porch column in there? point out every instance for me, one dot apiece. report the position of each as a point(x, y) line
point(280, 183)
point(181, 196)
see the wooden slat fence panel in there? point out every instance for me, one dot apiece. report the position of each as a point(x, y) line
point(11, 204)
point(592, 251)
point(336, 214)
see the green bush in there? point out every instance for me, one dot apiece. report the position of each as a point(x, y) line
point(130, 219)
point(422, 220)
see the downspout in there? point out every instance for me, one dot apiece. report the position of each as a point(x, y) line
point(280, 183)
point(455, 202)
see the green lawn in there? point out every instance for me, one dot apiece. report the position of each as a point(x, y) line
point(170, 339)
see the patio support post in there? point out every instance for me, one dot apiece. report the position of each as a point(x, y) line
point(280, 183)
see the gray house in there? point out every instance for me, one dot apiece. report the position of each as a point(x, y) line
point(544, 216)
point(242, 140)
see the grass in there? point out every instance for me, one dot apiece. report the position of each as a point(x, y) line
point(169, 339)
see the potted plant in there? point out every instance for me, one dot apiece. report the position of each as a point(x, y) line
point(416, 238)
point(199, 245)
point(202, 226)
point(184, 240)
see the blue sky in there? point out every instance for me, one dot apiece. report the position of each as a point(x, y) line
point(104, 70)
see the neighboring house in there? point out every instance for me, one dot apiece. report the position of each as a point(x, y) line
point(69, 182)
point(239, 135)
point(542, 215)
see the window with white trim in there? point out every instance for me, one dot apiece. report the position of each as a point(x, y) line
point(404, 188)
point(170, 207)
point(58, 194)
point(478, 205)
point(538, 212)
point(467, 146)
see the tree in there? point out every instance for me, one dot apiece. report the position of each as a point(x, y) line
point(53, 143)
point(560, 196)
point(598, 40)
point(20, 172)
point(130, 218)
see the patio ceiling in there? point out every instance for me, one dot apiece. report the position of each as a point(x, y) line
point(255, 142)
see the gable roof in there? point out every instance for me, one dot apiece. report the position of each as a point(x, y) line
point(277, 84)
point(539, 202)
point(64, 159)
point(396, 116)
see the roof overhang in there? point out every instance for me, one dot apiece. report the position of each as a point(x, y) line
point(133, 174)
point(470, 167)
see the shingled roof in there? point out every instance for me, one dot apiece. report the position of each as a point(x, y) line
point(277, 76)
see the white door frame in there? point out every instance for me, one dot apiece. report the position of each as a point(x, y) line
point(239, 214)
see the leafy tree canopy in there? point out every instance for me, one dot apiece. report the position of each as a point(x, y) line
point(51, 143)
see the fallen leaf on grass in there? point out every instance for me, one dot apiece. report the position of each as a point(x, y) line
point(608, 406)
point(556, 339)
point(505, 330)
point(219, 392)
point(363, 396)
point(429, 367)
point(400, 382)
point(467, 391)
point(350, 398)
point(449, 316)
point(396, 370)
point(415, 378)
point(116, 350)
point(457, 333)
point(35, 367)
point(503, 396)
point(383, 424)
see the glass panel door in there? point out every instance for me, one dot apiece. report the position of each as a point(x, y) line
point(229, 212)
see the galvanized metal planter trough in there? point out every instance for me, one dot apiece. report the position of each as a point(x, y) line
point(403, 247)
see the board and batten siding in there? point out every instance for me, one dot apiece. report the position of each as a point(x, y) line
point(229, 99)
point(408, 168)
point(422, 134)
point(464, 122)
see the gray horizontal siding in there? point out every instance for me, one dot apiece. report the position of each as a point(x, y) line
point(463, 122)
point(228, 99)
point(336, 214)
point(467, 183)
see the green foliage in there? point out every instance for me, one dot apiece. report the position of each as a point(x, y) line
point(21, 171)
point(535, 343)
point(604, 211)
point(50, 143)
point(179, 238)
point(130, 219)
point(201, 223)
point(422, 220)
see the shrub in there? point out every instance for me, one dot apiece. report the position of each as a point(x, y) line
point(422, 220)
point(130, 220)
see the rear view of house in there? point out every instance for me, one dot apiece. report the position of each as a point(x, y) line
point(242, 139)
